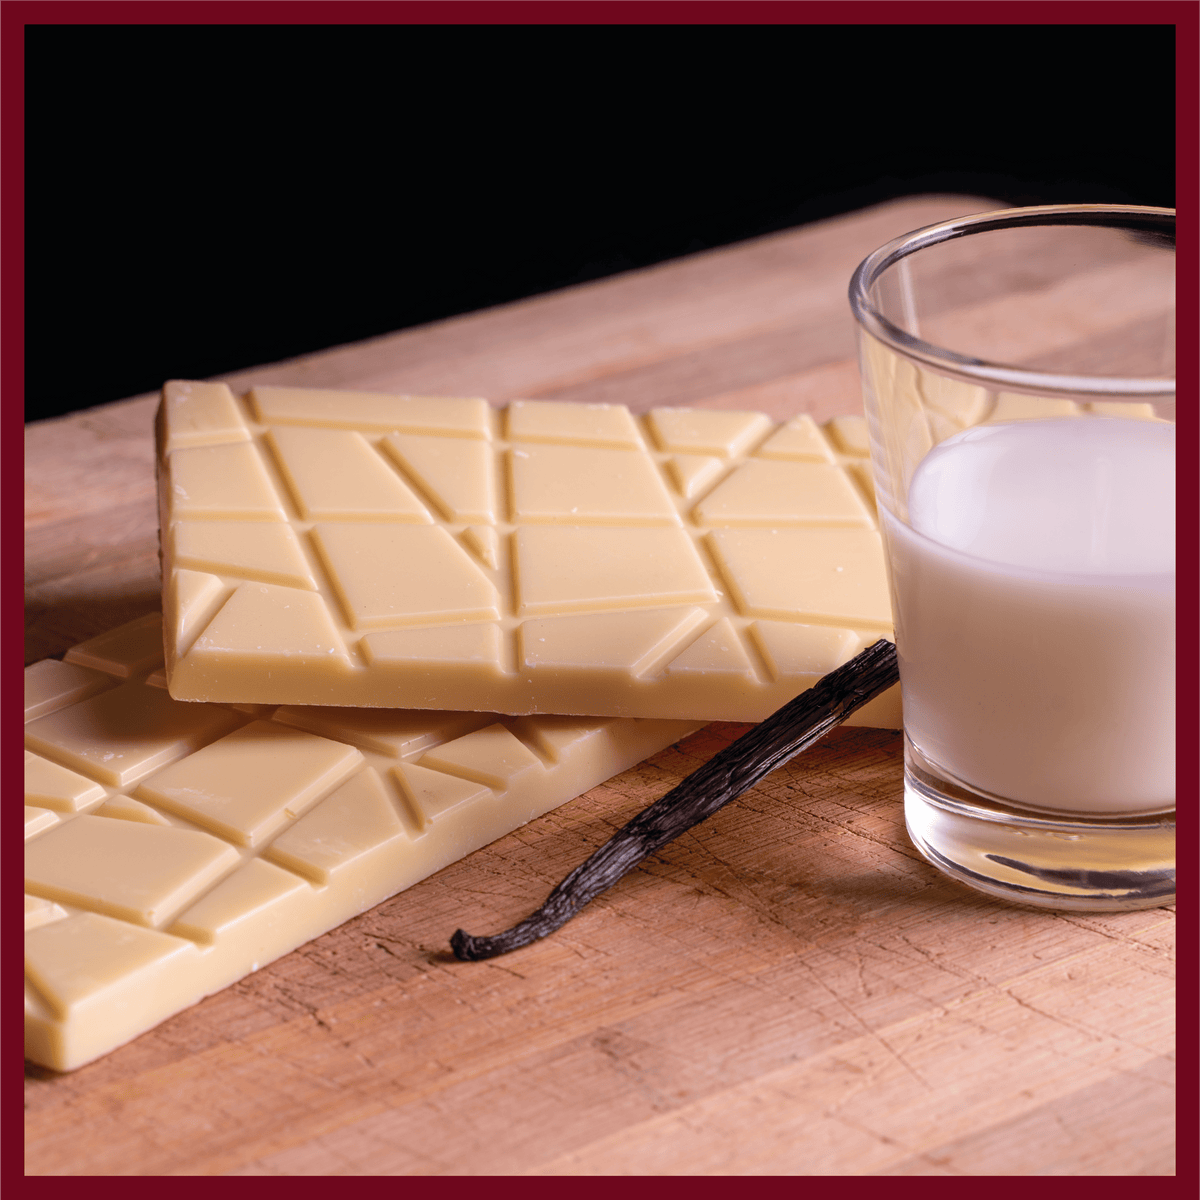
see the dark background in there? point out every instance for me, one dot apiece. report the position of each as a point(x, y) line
point(203, 199)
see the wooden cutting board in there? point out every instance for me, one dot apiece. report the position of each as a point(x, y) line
point(788, 989)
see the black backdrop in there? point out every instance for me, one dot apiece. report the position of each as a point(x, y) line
point(205, 198)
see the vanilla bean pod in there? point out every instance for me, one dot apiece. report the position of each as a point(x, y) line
point(795, 727)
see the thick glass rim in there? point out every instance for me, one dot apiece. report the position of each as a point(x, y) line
point(999, 376)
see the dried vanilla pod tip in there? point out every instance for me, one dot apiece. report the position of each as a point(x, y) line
point(350, 548)
point(738, 767)
point(172, 848)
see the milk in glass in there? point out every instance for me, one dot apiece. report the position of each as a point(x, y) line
point(1034, 605)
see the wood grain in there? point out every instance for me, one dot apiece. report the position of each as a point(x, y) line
point(786, 989)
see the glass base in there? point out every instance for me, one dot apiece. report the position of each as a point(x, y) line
point(1067, 861)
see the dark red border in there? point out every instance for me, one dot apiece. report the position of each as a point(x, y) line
point(745, 12)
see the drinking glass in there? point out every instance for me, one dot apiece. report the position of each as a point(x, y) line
point(1018, 376)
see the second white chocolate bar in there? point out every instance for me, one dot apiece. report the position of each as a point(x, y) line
point(359, 549)
point(170, 848)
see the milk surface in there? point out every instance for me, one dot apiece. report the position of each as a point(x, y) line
point(1034, 600)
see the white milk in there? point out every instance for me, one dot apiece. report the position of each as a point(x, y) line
point(1034, 601)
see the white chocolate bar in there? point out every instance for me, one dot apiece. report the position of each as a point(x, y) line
point(173, 848)
point(359, 549)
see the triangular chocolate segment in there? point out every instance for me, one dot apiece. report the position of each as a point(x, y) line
point(264, 550)
point(337, 473)
point(621, 642)
point(719, 650)
point(404, 575)
point(262, 623)
point(800, 438)
point(357, 819)
point(705, 431)
point(770, 492)
point(455, 473)
point(692, 473)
